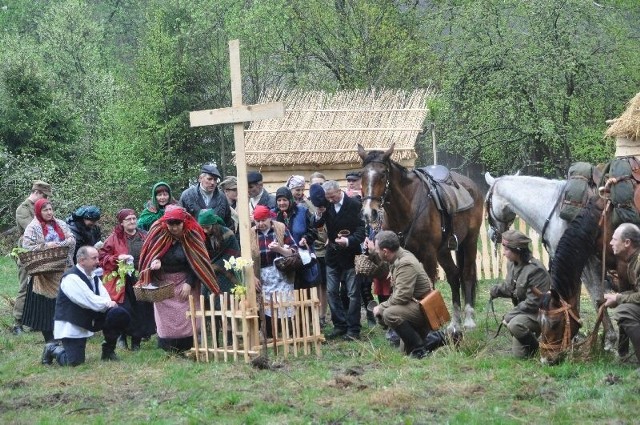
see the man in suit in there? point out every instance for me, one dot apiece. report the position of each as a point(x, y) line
point(345, 230)
point(257, 194)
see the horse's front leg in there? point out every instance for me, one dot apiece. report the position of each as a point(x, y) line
point(453, 277)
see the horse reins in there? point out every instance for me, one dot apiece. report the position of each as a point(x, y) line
point(569, 314)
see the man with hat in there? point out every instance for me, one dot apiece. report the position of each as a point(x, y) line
point(206, 195)
point(354, 184)
point(257, 194)
point(524, 273)
point(24, 214)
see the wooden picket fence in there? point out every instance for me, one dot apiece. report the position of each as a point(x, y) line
point(490, 264)
point(223, 334)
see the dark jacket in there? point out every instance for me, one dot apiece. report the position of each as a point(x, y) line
point(83, 234)
point(267, 200)
point(193, 202)
point(348, 218)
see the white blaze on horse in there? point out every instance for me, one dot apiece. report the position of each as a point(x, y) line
point(410, 207)
point(537, 201)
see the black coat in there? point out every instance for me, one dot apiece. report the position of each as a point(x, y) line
point(348, 218)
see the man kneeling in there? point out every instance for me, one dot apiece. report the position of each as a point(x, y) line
point(83, 306)
point(410, 282)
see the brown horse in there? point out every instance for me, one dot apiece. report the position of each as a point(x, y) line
point(410, 210)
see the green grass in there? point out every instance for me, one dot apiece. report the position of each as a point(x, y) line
point(366, 382)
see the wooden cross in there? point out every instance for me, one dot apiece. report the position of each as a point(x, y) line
point(238, 114)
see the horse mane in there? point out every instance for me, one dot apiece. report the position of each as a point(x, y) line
point(575, 247)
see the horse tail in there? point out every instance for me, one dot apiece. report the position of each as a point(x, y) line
point(576, 245)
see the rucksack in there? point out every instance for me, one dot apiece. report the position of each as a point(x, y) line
point(580, 186)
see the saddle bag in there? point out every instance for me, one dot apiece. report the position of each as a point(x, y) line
point(622, 192)
point(577, 190)
point(435, 309)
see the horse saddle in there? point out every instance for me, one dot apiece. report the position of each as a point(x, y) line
point(448, 194)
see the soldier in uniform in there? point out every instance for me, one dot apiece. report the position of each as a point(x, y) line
point(625, 243)
point(410, 282)
point(24, 215)
point(523, 274)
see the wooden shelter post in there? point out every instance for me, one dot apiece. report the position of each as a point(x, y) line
point(238, 114)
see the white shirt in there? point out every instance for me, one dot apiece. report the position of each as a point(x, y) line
point(253, 202)
point(79, 293)
point(338, 205)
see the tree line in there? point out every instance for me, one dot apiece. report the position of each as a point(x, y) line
point(95, 95)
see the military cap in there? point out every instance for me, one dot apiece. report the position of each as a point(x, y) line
point(42, 186)
point(354, 175)
point(513, 239)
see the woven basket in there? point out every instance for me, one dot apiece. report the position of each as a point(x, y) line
point(154, 294)
point(45, 261)
point(364, 265)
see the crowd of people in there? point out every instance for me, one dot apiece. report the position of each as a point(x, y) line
point(185, 243)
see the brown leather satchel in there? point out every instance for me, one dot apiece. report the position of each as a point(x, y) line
point(435, 310)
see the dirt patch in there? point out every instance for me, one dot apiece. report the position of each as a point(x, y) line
point(14, 385)
point(347, 381)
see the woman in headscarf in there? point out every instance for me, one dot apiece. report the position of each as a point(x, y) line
point(83, 225)
point(154, 209)
point(270, 240)
point(125, 245)
point(296, 184)
point(299, 222)
point(221, 245)
point(175, 253)
point(45, 231)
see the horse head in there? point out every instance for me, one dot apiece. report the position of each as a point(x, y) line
point(375, 181)
point(500, 215)
point(559, 323)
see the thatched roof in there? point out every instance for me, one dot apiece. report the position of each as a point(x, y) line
point(627, 126)
point(321, 128)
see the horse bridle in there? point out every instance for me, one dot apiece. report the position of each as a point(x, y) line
point(380, 199)
point(496, 236)
point(567, 311)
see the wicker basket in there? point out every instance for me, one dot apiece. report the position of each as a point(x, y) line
point(364, 265)
point(154, 294)
point(45, 261)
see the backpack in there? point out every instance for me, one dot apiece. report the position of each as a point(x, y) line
point(579, 187)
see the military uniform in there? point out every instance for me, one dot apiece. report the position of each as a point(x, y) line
point(627, 313)
point(521, 278)
point(409, 282)
point(24, 214)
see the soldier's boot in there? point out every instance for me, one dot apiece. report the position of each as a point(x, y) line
point(434, 340)
point(413, 343)
point(623, 344)
point(109, 350)
point(529, 344)
point(633, 332)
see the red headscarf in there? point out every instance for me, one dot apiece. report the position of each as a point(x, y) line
point(175, 212)
point(119, 229)
point(262, 212)
point(39, 205)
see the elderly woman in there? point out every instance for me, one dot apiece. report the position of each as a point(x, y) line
point(83, 225)
point(299, 222)
point(221, 245)
point(271, 240)
point(125, 245)
point(175, 253)
point(44, 231)
point(154, 209)
point(296, 184)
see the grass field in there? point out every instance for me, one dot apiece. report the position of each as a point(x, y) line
point(353, 382)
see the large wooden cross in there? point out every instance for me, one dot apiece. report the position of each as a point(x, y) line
point(238, 114)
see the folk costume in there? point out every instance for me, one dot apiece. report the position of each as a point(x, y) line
point(142, 324)
point(39, 309)
point(85, 235)
point(521, 278)
point(184, 259)
point(153, 211)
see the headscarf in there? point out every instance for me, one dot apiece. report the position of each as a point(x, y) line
point(262, 212)
point(295, 181)
point(160, 187)
point(159, 240)
point(119, 228)
point(209, 218)
point(39, 205)
point(89, 212)
point(287, 215)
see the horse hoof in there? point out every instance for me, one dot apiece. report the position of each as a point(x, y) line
point(469, 324)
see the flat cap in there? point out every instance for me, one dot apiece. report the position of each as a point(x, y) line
point(210, 169)
point(254, 177)
point(354, 175)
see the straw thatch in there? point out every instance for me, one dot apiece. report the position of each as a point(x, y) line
point(627, 126)
point(320, 129)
